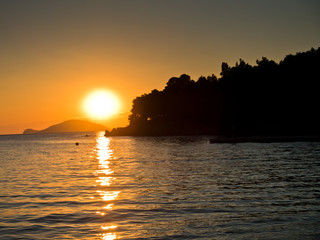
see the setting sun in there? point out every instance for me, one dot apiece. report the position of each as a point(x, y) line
point(101, 104)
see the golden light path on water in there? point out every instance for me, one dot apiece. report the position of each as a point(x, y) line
point(105, 180)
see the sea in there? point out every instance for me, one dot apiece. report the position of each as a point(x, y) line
point(88, 186)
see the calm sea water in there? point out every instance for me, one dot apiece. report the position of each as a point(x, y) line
point(156, 188)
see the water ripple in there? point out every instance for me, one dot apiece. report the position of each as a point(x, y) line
point(157, 188)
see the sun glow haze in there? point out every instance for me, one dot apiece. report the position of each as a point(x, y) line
point(101, 104)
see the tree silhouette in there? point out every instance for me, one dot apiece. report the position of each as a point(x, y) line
point(265, 99)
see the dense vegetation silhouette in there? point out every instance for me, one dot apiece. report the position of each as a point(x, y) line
point(266, 99)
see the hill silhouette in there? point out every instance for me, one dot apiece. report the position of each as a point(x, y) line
point(69, 126)
point(266, 99)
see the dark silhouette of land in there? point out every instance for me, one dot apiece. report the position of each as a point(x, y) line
point(268, 99)
point(264, 139)
point(69, 126)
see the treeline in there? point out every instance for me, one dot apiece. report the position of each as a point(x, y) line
point(266, 99)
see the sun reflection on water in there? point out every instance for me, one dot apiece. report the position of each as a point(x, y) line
point(109, 195)
point(108, 207)
point(108, 236)
point(105, 156)
point(105, 181)
point(108, 227)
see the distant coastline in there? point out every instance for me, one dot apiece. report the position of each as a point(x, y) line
point(69, 126)
point(268, 99)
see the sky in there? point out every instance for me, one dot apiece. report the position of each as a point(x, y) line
point(54, 53)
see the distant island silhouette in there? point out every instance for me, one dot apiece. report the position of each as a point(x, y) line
point(268, 99)
point(69, 126)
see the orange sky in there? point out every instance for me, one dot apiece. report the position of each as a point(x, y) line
point(53, 53)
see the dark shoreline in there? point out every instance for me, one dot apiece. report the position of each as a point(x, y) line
point(223, 138)
point(265, 139)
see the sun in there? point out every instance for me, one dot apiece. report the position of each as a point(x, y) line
point(101, 104)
